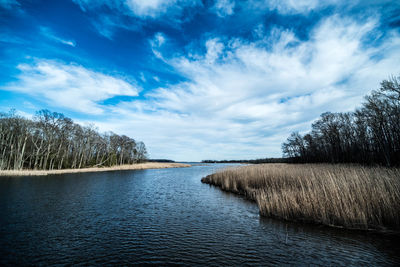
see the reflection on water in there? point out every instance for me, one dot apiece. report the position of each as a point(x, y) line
point(341, 247)
point(161, 217)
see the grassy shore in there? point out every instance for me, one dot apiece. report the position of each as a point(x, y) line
point(139, 166)
point(348, 196)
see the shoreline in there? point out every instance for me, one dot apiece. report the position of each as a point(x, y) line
point(138, 166)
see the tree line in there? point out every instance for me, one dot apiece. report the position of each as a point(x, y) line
point(250, 161)
point(52, 141)
point(369, 135)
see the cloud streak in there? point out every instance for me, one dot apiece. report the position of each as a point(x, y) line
point(132, 14)
point(47, 32)
point(69, 86)
point(139, 8)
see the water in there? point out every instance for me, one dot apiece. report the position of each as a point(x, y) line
point(164, 216)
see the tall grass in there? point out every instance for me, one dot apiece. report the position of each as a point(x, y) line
point(349, 196)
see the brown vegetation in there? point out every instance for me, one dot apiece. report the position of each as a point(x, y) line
point(349, 196)
point(138, 166)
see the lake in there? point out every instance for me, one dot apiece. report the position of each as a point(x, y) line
point(163, 216)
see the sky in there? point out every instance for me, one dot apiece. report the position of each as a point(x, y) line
point(195, 79)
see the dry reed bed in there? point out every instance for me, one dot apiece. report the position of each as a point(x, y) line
point(139, 166)
point(349, 196)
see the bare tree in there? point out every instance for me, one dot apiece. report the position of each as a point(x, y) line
point(52, 140)
point(370, 135)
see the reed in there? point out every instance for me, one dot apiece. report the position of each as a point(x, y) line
point(349, 196)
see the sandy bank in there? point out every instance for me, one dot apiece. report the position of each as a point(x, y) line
point(140, 166)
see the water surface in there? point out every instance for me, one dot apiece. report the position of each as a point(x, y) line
point(164, 216)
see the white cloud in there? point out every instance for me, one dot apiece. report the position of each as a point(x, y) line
point(293, 6)
point(139, 8)
point(156, 43)
point(149, 8)
point(133, 14)
point(224, 8)
point(49, 34)
point(157, 8)
point(24, 114)
point(69, 85)
point(159, 39)
point(242, 99)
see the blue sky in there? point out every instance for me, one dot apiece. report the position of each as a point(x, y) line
point(194, 79)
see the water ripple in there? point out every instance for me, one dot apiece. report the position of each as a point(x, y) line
point(163, 217)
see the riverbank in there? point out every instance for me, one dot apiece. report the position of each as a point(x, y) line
point(139, 166)
point(348, 196)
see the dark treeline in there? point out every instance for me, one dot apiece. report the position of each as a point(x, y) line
point(52, 141)
point(370, 135)
point(160, 160)
point(252, 161)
